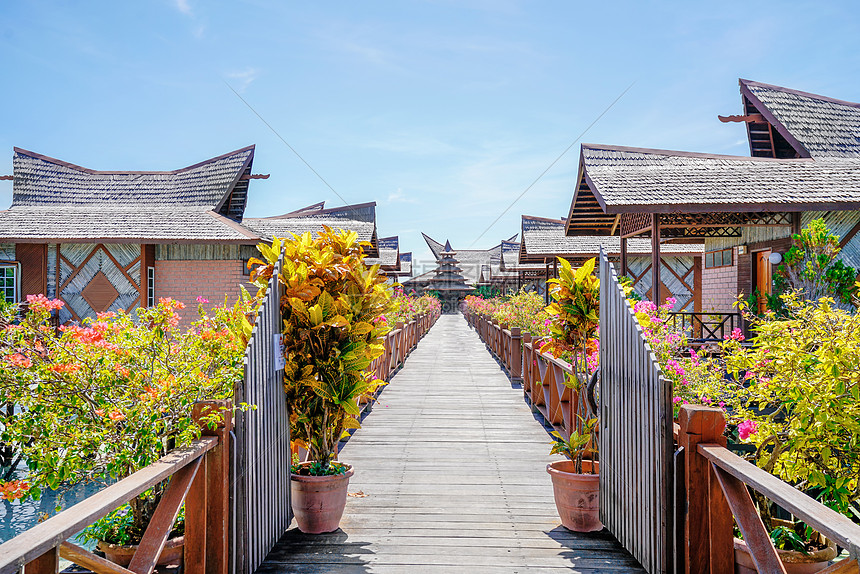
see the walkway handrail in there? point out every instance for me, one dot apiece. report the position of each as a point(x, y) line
point(708, 521)
point(543, 376)
point(702, 330)
point(205, 494)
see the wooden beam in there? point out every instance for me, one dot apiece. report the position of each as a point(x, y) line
point(615, 224)
point(850, 235)
point(624, 256)
point(655, 259)
point(747, 118)
point(796, 223)
point(155, 537)
point(697, 284)
point(83, 557)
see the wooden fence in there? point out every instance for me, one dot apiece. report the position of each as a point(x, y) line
point(716, 490)
point(544, 378)
point(636, 433)
point(261, 486)
point(399, 342)
point(199, 477)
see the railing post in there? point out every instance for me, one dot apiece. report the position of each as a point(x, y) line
point(47, 563)
point(217, 487)
point(708, 546)
point(516, 354)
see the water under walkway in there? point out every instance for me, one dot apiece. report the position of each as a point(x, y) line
point(450, 477)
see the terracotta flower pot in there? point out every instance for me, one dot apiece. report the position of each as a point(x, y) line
point(794, 562)
point(576, 495)
point(172, 555)
point(318, 501)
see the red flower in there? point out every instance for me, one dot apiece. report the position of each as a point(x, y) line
point(19, 360)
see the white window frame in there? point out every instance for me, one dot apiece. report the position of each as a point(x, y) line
point(150, 286)
point(16, 287)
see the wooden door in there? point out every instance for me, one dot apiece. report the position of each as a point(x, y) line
point(762, 278)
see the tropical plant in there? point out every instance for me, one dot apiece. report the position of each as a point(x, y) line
point(811, 268)
point(580, 444)
point(331, 333)
point(797, 399)
point(524, 310)
point(575, 310)
point(101, 400)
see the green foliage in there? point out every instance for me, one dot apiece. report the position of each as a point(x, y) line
point(811, 267)
point(331, 332)
point(575, 310)
point(579, 445)
point(798, 398)
point(120, 527)
point(487, 291)
point(786, 538)
point(102, 400)
point(524, 310)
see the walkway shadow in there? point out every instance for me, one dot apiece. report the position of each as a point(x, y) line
point(593, 550)
point(334, 552)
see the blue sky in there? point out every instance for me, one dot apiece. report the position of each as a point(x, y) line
point(441, 111)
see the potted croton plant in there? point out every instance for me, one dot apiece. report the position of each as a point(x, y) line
point(331, 335)
point(101, 400)
point(575, 481)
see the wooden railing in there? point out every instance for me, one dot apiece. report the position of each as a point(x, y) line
point(199, 478)
point(543, 376)
point(716, 483)
point(399, 342)
point(705, 327)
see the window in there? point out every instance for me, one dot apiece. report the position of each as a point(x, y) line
point(721, 258)
point(9, 283)
point(150, 286)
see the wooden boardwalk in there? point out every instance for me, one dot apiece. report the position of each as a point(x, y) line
point(450, 477)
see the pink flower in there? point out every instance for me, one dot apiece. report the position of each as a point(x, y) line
point(677, 400)
point(736, 335)
point(202, 300)
point(747, 428)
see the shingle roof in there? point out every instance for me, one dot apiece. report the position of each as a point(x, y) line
point(44, 181)
point(545, 239)
point(405, 264)
point(625, 180)
point(359, 218)
point(473, 260)
point(389, 252)
point(823, 126)
point(510, 260)
point(42, 224)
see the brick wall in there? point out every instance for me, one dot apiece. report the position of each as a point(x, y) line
point(719, 287)
point(211, 279)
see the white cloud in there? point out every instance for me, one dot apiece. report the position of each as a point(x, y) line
point(398, 196)
point(183, 6)
point(243, 78)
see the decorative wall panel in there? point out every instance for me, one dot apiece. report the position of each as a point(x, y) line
point(97, 278)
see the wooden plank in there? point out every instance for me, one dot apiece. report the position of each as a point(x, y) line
point(761, 548)
point(85, 558)
point(48, 534)
point(47, 562)
point(155, 537)
point(833, 525)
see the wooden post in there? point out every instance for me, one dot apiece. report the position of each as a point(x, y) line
point(697, 284)
point(624, 256)
point(708, 546)
point(47, 563)
point(655, 259)
point(795, 223)
point(217, 485)
point(516, 355)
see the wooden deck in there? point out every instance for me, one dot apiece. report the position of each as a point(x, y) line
point(450, 477)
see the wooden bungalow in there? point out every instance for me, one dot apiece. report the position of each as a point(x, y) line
point(544, 240)
point(389, 258)
point(804, 164)
point(107, 240)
